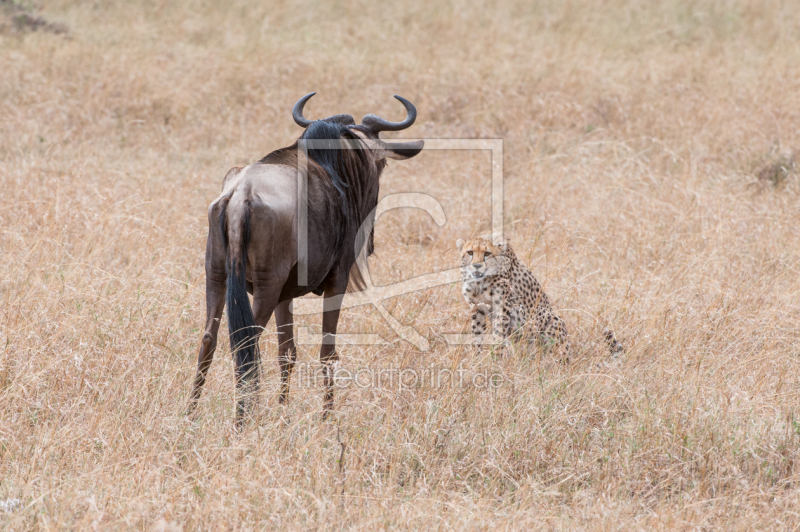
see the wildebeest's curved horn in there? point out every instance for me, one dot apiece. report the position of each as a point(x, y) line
point(297, 111)
point(377, 124)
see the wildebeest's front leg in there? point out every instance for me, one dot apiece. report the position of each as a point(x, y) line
point(287, 351)
point(327, 354)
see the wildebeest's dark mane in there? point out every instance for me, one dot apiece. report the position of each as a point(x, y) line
point(338, 151)
point(354, 173)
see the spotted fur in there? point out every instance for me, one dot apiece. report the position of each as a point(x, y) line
point(502, 289)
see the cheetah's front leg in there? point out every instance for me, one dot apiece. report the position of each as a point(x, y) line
point(501, 315)
point(479, 324)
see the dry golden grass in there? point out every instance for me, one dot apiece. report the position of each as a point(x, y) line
point(635, 140)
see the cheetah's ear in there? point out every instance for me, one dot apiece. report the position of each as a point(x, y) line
point(459, 244)
point(503, 246)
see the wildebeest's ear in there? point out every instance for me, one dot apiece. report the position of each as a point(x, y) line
point(460, 244)
point(403, 150)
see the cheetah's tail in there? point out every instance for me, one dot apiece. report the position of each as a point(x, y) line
point(614, 347)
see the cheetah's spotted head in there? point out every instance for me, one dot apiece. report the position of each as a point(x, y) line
point(481, 258)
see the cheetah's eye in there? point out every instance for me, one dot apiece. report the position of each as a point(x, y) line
point(469, 253)
point(486, 255)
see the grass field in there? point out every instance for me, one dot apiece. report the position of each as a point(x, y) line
point(650, 183)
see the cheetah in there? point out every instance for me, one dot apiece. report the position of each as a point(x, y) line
point(502, 288)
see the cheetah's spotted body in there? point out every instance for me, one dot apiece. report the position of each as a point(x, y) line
point(503, 289)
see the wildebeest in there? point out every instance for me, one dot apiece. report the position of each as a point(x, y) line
point(253, 245)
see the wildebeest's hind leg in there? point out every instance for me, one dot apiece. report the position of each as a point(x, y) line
point(215, 303)
point(287, 351)
point(248, 370)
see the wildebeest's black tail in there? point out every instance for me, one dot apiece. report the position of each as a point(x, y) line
point(241, 322)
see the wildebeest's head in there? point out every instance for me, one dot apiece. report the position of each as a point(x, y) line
point(369, 129)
